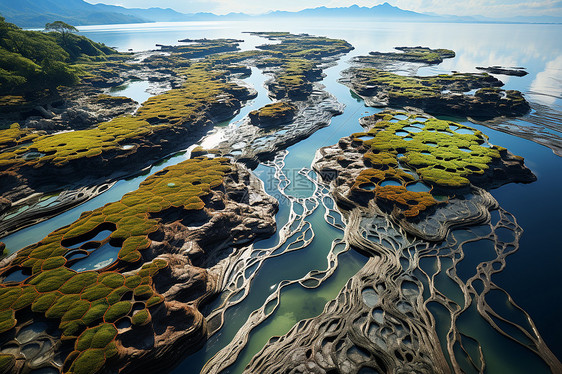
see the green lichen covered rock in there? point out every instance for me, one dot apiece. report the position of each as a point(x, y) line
point(411, 54)
point(87, 304)
point(273, 114)
point(441, 94)
point(412, 162)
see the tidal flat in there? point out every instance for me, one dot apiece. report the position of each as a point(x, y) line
point(281, 202)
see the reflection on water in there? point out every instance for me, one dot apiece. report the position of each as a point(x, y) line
point(136, 90)
point(535, 47)
point(547, 86)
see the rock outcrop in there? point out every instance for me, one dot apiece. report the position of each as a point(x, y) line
point(140, 307)
point(272, 115)
point(421, 171)
point(442, 94)
point(516, 71)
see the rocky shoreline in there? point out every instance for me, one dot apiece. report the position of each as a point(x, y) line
point(439, 95)
point(411, 180)
point(516, 71)
point(250, 144)
point(215, 76)
point(402, 186)
point(188, 239)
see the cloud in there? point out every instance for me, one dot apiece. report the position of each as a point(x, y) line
point(492, 8)
point(547, 85)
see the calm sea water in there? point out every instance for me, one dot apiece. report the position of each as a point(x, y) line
point(531, 274)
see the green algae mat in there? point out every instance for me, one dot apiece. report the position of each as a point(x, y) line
point(88, 305)
point(443, 155)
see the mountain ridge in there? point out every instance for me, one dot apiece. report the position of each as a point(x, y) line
point(35, 13)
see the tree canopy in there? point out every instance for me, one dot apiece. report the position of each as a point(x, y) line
point(31, 60)
point(59, 26)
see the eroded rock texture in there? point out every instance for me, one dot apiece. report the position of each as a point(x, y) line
point(406, 310)
point(140, 307)
point(409, 297)
point(423, 172)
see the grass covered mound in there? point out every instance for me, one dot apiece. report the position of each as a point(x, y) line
point(89, 305)
point(411, 54)
point(196, 48)
point(34, 61)
point(399, 87)
point(273, 114)
point(15, 136)
point(411, 160)
point(204, 90)
point(440, 94)
point(297, 60)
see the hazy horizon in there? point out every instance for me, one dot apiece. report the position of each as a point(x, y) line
point(496, 8)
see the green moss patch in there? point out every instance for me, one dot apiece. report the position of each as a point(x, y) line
point(273, 114)
point(87, 304)
point(204, 88)
point(442, 158)
point(297, 60)
point(7, 362)
point(411, 54)
point(440, 94)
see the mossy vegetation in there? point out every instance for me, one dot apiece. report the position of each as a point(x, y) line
point(441, 157)
point(441, 94)
point(297, 60)
point(203, 89)
point(273, 114)
point(15, 136)
point(398, 87)
point(197, 48)
point(88, 304)
point(7, 362)
point(411, 54)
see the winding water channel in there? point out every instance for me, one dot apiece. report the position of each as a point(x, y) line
point(292, 275)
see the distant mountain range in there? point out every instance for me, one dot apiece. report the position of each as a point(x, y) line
point(35, 13)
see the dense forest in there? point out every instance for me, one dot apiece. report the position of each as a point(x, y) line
point(36, 60)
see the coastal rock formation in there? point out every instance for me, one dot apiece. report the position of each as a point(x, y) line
point(372, 78)
point(122, 146)
point(441, 94)
point(274, 114)
point(296, 62)
point(372, 327)
point(196, 48)
point(121, 288)
point(515, 71)
point(404, 311)
point(420, 170)
point(409, 54)
point(250, 144)
point(203, 93)
point(541, 126)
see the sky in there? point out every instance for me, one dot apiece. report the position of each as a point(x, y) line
point(490, 8)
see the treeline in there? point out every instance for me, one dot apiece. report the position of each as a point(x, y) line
point(35, 60)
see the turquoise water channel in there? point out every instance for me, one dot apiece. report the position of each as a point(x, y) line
point(530, 273)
